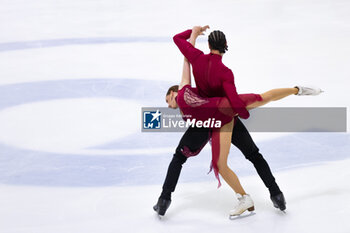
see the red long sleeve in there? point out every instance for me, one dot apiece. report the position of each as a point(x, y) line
point(186, 48)
point(231, 93)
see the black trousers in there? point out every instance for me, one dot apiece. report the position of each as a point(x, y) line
point(195, 139)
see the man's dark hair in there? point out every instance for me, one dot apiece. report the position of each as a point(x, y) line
point(217, 41)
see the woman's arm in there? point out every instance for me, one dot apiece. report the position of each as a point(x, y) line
point(186, 74)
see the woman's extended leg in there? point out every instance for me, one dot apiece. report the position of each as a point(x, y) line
point(273, 95)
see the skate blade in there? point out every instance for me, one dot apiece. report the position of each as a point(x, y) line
point(283, 211)
point(160, 217)
point(240, 216)
point(157, 214)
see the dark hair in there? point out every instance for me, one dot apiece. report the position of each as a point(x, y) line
point(174, 88)
point(217, 41)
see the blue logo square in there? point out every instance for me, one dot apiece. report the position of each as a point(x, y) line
point(152, 119)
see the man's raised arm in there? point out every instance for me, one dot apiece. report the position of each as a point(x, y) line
point(186, 48)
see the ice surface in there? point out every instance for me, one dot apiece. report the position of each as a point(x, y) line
point(73, 78)
point(317, 201)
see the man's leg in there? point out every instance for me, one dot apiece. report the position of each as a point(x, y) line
point(244, 142)
point(190, 144)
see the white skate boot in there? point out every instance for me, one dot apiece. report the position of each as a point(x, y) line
point(245, 203)
point(308, 90)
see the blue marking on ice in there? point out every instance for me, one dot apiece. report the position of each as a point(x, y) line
point(34, 44)
point(133, 89)
point(25, 167)
point(37, 44)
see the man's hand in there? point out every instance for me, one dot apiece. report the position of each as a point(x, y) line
point(199, 30)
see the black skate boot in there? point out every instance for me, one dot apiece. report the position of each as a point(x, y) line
point(162, 206)
point(278, 201)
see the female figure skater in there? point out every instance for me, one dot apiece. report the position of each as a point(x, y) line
point(192, 104)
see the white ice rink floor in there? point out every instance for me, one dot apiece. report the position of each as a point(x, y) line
point(75, 74)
